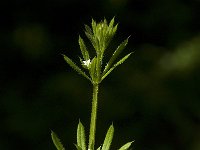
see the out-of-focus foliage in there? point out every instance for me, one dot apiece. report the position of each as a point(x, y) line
point(185, 58)
point(154, 97)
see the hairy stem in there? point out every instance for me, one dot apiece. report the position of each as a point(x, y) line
point(93, 117)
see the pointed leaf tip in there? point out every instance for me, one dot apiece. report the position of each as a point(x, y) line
point(56, 141)
point(115, 55)
point(83, 48)
point(108, 138)
point(81, 136)
point(115, 65)
point(126, 146)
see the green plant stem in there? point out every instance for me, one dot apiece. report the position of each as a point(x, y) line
point(93, 117)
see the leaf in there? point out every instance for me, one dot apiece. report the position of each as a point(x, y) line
point(91, 145)
point(108, 139)
point(56, 141)
point(126, 146)
point(115, 65)
point(91, 38)
point(110, 27)
point(88, 29)
point(105, 29)
point(81, 136)
point(114, 29)
point(94, 24)
point(75, 67)
point(93, 69)
point(111, 23)
point(83, 49)
point(109, 33)
point(119, 49)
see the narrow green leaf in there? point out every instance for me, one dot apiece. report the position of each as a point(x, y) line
point(97, 46)
point(119, 49)
point(111, 24)
point(105, 21)
point(115, 65)
point(108, 139)
point(91, 145)
point(93, 69)
point(83, 49)
point(81, 136)
point(91, 38)
point(56, 141)
point(88, 29)
point(94, 24)
point(75, 67)
point(126, 146)
point(111, 32)
point(105, 29)
point(114, 29)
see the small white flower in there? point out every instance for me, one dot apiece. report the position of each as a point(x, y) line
point(86, 62)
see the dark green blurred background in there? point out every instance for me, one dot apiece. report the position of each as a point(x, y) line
point(153, 98)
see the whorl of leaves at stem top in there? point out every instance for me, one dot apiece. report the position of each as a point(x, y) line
point(99, 34)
